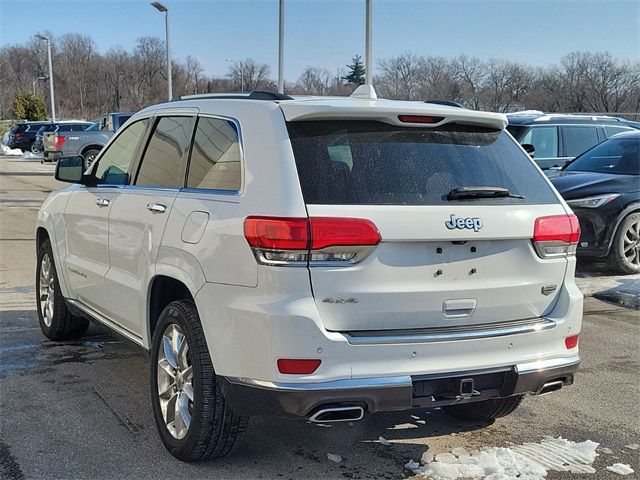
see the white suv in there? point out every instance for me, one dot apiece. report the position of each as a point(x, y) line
point(323, 257)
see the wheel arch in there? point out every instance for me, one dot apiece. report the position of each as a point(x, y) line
point(633, 207)
point(91, 147)
point(168, 285)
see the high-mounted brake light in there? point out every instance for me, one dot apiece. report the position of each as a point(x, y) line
point(313, 241)
point(60, 139)
point(294, 366)
point(556, 235)
point(419, 119)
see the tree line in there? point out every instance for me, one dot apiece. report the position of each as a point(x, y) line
point(88, 82)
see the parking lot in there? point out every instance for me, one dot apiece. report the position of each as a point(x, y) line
point(82, 409)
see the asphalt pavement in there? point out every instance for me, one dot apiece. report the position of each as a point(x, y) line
point(82, 409)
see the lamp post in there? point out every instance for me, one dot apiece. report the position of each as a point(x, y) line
point(53, 100)
point(163, 9)
point(281, 49)
point(368, 60)
point(33, 84)
point(241, 71)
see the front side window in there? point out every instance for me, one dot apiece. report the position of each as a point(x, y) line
point(578, 139)
point(215, 157)
point(545, 139)
point(115, 161)
point(164, 159)
point(372, 163)
point(620, 156)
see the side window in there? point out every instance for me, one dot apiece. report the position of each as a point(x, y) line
point(114, 163)
point(163, 160)
point(215, 156)
point(545, 139)
point(609, 131)
point(578, 139)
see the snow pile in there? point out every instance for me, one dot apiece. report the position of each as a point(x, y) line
point(334, 458)
point(4, 150)
point(530, 461)
point(621, 469)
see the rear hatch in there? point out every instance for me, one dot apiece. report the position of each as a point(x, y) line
point(49, 140)
point(444, 259)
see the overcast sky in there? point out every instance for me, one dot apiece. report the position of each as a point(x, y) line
point(327, 33)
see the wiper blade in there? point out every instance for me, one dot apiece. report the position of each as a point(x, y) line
point(461, 193)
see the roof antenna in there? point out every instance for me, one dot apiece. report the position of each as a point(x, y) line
point(366, 91)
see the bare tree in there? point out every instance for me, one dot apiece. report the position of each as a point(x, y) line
point(402, 76)
point(253, 75)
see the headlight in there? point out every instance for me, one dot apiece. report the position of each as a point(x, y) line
point(593, 202)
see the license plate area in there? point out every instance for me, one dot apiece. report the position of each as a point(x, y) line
point(431, 390)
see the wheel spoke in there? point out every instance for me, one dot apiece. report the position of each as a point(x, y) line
point(168, 351)
point(183, 410)
point(177, 345)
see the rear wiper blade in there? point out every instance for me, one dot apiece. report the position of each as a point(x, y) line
point(480, 192)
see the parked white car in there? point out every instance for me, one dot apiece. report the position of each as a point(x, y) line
point(323, 257)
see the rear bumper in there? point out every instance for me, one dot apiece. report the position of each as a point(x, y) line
point(48, 156)
point(253, 397)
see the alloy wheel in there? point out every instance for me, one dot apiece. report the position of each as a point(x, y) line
point(175, 381)
point(46, 289)
point(631, 244)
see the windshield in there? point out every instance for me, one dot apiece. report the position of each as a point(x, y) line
point(618, 156)
point(373, 163)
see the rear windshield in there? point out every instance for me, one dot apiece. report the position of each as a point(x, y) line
point(618, 155)
point(373, 163)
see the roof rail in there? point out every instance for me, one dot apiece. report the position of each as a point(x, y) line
point(445, 102)
point(253, 95)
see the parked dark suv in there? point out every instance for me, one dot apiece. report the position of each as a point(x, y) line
point(559, 138)
point(23, 134)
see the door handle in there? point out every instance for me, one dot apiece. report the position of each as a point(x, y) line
point(156, 207)
point(102, 202)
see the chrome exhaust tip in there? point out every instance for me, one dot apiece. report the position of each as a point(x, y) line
point(549, 387)
point(349, 413)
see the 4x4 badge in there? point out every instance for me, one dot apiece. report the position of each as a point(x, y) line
point(470, 222)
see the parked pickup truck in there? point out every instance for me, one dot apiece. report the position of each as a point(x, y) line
point(87, 143)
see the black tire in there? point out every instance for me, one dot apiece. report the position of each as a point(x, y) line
point(485, 410)
point(57, 322)
point(627, 237)
point(90, 156)
point(214, 428)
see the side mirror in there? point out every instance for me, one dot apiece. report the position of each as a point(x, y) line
point(70, 169)
point(529, 148)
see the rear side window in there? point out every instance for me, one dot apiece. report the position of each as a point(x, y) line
point(609, 131)
point(215, 156)
point(545, 139)
point(163, 160)
point(372, 163)
point(578, 139)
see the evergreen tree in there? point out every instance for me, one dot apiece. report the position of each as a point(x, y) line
point(28, 106)
point(356, 71)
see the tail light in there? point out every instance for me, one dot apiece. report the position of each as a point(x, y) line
point(556, 235)
point(313, 241)
point(17, 134)
point(571, 342)
point(60, 139)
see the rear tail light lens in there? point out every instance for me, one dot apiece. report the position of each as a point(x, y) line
point(556, 235)
point(313, 241)
point(571, 342)
point(295, 366)
point(60, 139)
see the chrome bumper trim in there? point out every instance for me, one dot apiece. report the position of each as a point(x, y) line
point(450, 334)
point(549, 364)
point(347, 384)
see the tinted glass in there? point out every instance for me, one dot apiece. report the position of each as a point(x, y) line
point(92, 128)
point(71, 127)
point(578, 139)
point(517, 131)
point(114, 163)
point(545, 139)
point(215, 157)
point(163, 160)
point(349, 162)
point(619, 155)
point(609, 131)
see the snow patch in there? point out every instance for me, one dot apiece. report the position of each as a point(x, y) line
point(633, 446)
point(530, 461)
point(620, 468)
point(384, 441)
point(10, 151)
point(606, 450)
point(334, 458)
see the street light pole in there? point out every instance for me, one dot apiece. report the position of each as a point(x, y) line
point(53, 100)
point(163, 9)
point(281, 50)
point(368, 69)
point(33, 84)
